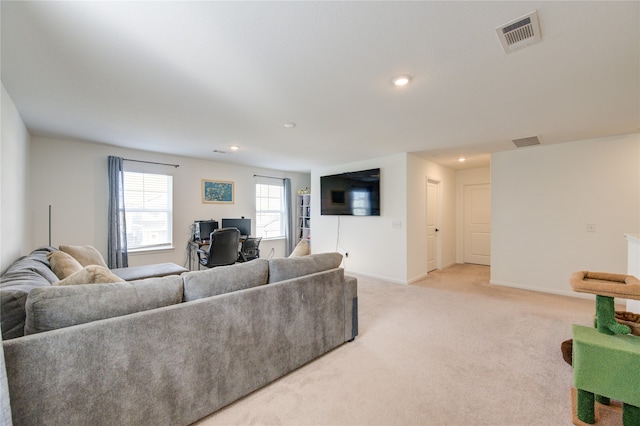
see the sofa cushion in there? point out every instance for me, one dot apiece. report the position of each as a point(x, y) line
point(291, 267)
point(225, 279)
point(63, 264)
point(86, 255)
point(26, 273)
point(50, 308)
point(131, 273)
point(92, 274)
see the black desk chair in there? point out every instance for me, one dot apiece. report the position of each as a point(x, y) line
point(223, 248)
point(250, 249)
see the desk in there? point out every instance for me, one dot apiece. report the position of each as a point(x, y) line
point(193, 261)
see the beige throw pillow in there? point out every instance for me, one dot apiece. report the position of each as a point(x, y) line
point(62, 264)
point(92, 274)
point(86, 255)
point(302, 249)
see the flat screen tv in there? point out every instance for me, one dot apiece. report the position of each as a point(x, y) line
point(352, 193)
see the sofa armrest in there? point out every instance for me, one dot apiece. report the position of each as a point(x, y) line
point(350, 308)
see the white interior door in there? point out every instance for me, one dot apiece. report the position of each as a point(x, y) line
point(477, 224)
point(433, 198)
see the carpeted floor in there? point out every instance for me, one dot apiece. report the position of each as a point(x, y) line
point(449, 350)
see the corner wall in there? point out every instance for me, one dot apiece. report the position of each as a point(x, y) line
point(542, 199)
point(14, 156)
point(376, 248)
point(391, 246)
point(419, 171)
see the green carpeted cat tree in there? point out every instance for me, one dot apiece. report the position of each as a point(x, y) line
point(606, 359)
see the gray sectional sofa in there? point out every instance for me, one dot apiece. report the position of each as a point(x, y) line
point(171, 350)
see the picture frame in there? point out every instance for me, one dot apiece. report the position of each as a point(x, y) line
point(217, 191)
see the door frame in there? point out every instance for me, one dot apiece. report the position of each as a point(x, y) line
point(463, 178)
point(438, 221)
point(463, 217)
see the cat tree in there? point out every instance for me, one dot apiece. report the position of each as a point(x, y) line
point(606, 359)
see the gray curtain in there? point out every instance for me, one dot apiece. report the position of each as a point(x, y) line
point(117, 242)
point(290, 239)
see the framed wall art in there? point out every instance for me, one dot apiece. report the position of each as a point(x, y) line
point(217, 191)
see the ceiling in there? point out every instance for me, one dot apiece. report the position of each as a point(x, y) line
point(188, 78)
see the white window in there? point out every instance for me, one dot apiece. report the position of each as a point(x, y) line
point(148, 203)
point(270, 210)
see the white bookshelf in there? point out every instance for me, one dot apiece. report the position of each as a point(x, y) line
point(304, 218)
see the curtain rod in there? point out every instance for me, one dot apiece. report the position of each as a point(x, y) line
point(152, 162)
point(269, 177)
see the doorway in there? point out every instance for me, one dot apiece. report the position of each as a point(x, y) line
point(433, 213)
point(477, 224)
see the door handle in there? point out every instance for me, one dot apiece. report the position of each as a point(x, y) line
point(437, 230)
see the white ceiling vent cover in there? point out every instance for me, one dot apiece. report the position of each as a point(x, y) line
point(520, 32)
point(531, 140)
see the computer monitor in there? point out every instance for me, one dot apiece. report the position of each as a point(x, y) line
point(202, 229)
point(243, 225)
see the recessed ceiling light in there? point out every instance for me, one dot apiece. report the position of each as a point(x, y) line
point(289, 124)
point(234, 147)
point(401, 80)
point(462, 159)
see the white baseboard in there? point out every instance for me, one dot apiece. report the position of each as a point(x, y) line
point(543, 290)
point(418, 278)
point(374, 276)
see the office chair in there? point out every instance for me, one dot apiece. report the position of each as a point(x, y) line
point(250, 249)
point(223, 248)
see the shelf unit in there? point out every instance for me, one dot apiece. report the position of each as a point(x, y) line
point(304, 218)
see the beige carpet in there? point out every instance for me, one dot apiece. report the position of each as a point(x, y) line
point(450, 350)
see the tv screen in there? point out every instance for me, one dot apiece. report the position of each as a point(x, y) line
point(353, 193)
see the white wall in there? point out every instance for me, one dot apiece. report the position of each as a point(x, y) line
point(393, 245)
point(71, 176)
point(466, 177)
point(14, 154)
point(542, 199)
point(419, 171)
point(375, 247)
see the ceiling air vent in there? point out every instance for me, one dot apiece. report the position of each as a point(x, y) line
point(532, 140)
point(520, 32)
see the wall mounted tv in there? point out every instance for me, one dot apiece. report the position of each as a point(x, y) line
point(353, 193)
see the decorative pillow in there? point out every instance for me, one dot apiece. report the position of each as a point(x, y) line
point(302, 249)
point(92, 274)
point(86, 255)
point(292, 267)
point(63, 264)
